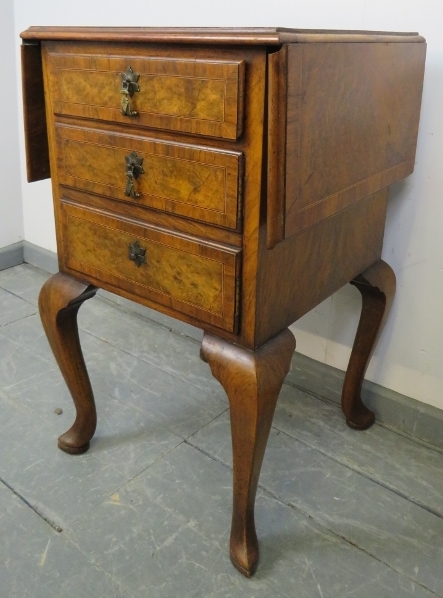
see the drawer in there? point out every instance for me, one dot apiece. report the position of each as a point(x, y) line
point(192, 95)
point(188, 275)
point(198, 183)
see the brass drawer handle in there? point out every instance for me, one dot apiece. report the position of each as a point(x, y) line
point(137, 253)
point(134, 169)
point(129, 86)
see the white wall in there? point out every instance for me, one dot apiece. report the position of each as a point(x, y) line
point(11, 213)
point(409, 357)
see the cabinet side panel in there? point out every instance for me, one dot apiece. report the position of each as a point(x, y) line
point(300, 272)
point(355, 111)
point(36, 139)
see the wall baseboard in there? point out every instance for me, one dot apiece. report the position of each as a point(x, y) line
point(401, 413)
point(40, 258)
point(12, 255)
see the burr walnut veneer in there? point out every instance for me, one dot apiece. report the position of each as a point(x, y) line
point(229, 178)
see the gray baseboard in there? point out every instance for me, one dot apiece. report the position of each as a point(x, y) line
point(12, 255)
point(24, 252)
point(40, 258)
point(392, 409)
point(399, 412)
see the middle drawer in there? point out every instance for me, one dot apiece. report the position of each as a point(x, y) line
point(196, 182)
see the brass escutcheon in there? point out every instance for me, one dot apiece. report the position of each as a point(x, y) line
point(136, 253)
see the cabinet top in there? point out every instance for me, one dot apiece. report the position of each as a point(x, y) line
point(250, 36)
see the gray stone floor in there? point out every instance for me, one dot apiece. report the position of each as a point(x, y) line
point(146, 512)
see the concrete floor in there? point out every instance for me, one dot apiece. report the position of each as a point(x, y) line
point(146, 512)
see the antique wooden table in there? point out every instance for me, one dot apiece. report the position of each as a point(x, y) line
point(231, 178)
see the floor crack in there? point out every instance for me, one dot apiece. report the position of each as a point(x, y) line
point(309, 515)
point(363, 473)
point(52, 524)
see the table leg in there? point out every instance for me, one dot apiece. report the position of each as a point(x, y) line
point(252, 381)
point(59, 301)
point(377, 287)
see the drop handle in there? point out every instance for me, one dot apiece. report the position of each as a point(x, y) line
point(129, 87)
point(134, 169)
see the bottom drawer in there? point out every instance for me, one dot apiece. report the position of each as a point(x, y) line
point(188, 275)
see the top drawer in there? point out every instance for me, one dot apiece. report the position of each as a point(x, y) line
point(199, 96)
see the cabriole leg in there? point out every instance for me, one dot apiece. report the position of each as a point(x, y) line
point(59, 301)
point(377, 288)
point(252, 381)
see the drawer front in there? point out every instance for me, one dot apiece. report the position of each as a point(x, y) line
point(198, 183)
point(203, 97)
point(185, 274)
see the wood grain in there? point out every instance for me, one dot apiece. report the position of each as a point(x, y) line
point(194, 96)
point(283, 202)
point(166, 220)
point(350, 131)
point(263, 36)
point(377, 288)
point(59, 301)
point(277, 130)
point(36, 137)
point(252, 381)
point(190, 275)
point(362, 138)
point(316, 263)
point(189, 180)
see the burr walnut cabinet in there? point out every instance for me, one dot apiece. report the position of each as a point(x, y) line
point(231, 178)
